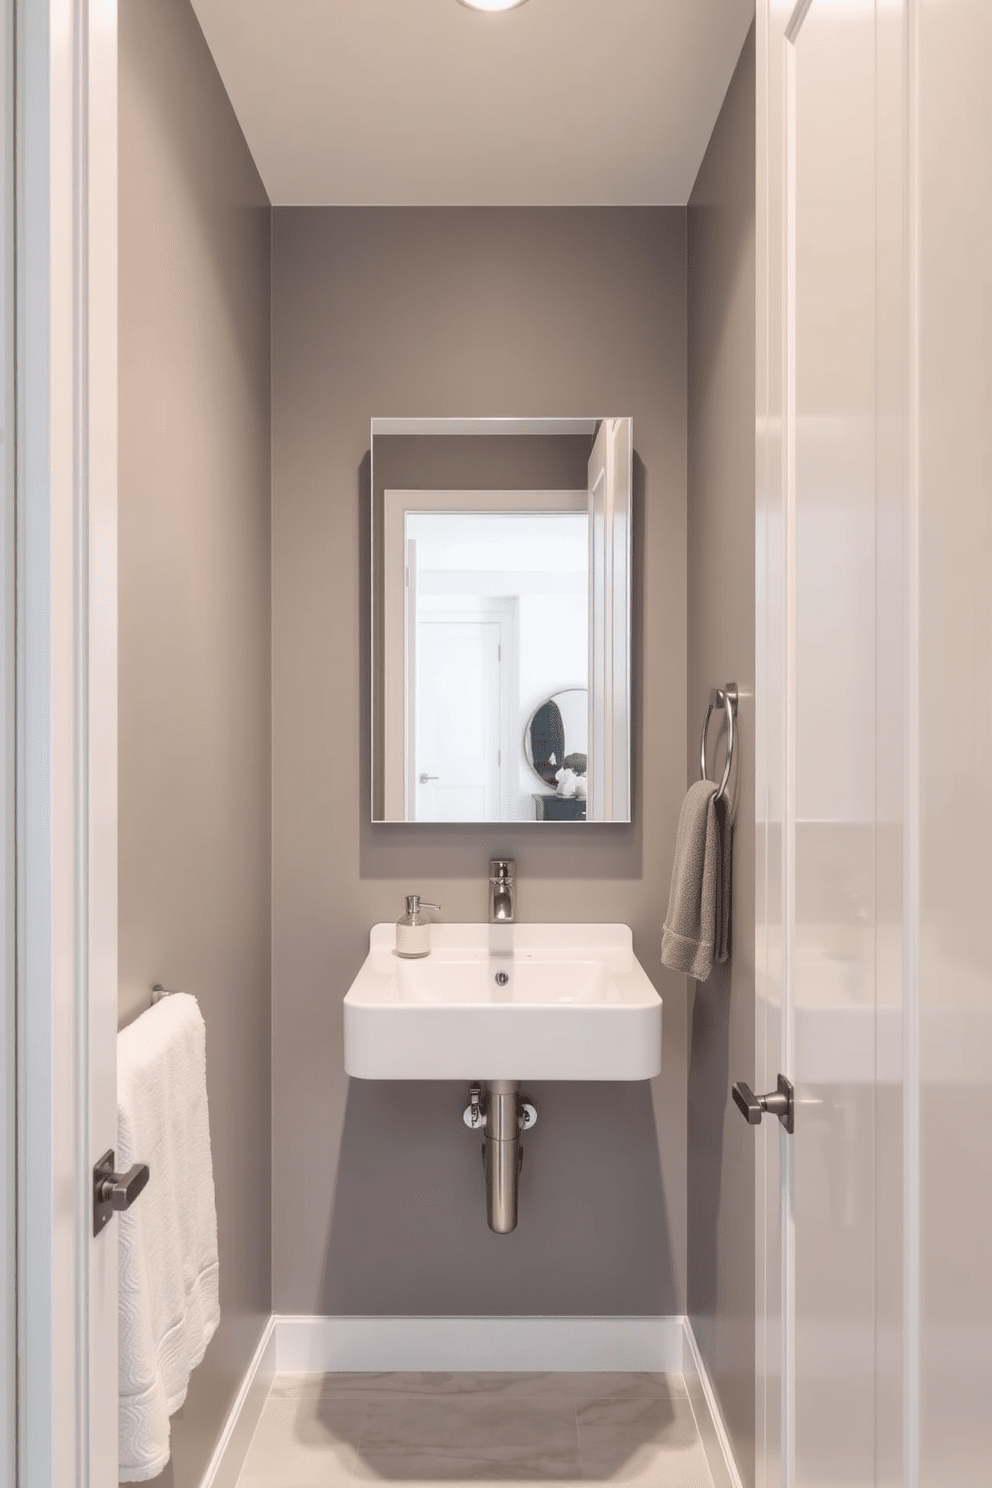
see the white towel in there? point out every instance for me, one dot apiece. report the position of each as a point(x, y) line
point(168, 1305)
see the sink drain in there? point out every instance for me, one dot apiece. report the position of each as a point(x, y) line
point(501, 978)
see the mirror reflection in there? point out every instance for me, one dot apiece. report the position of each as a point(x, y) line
point(556, 743)
point(501, 632)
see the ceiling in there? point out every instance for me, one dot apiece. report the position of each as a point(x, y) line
point(423, 102)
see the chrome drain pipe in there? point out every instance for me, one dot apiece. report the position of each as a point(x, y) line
point(502, 1154)
point(501, 1116)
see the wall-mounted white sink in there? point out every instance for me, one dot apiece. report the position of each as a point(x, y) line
point(504, 1002)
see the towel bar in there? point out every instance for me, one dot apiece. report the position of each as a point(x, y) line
point(720, 697)
point(158, 992)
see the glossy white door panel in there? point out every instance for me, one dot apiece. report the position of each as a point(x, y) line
point(953, 52)
point(830, 207)
point(831, 724)
point(875, 739)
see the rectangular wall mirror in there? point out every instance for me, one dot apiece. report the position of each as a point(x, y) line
point(501, 574)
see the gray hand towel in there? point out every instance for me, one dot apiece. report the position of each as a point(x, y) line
point(697, 925)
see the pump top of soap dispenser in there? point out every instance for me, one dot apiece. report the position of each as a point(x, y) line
point(414, 905)
point(413, 931)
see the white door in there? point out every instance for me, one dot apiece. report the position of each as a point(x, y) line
point(65, 294)
point(830, 747)
point(951, 1055)
point(829, 1177)
point(458, 763)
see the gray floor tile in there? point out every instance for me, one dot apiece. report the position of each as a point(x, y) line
point(643, 1441)
point(624, 1385)
point(473, 1436)
point(468, 1422)
point(311, 1386)
point(383, 1384)
point(304, 1443)
point(333, 1476)
point(571, 1385)
point(431, 1466)
point(332, 1431)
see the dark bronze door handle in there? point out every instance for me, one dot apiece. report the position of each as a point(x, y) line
point(780, 1102)
point(115, 1191)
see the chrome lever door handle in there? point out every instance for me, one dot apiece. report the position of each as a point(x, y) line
point(115, 1191)
point(780, 1102)
point(424, 778)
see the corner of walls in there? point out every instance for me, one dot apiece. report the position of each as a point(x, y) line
point(272, 757)
point(195, 633)
point(721, 638)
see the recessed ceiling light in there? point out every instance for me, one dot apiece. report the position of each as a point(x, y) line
point(492, 4)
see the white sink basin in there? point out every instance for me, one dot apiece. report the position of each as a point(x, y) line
point(576, 1005)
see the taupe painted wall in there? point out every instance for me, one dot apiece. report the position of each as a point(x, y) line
point(721, 554)
point(378, 1202)
point(195, 634)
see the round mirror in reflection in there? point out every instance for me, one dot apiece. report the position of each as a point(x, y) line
point(557, 735)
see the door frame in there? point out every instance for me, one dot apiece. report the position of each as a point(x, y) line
point(611, 494)
point(66, 734)
point(8, 814)
point(770, 722)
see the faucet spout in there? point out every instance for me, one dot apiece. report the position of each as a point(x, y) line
point(502, 880)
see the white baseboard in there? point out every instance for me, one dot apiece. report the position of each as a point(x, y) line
point(709, 1418)
point(324, 1344)
point(327, 1345)
point(224, 1467)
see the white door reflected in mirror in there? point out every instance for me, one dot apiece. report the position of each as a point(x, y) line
point(457, 758)
point(501, 620)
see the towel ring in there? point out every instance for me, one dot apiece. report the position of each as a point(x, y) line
point(726, 698)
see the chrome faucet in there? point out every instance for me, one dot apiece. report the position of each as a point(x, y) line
point(501, 881)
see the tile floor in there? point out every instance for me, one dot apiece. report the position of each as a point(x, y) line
point(328, 1430)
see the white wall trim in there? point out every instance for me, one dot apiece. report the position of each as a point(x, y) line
point(325, 1345)
point(224, 1467)
point(709, 1418)
point(485, 426)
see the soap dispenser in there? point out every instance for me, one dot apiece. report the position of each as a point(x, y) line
point(413, 931)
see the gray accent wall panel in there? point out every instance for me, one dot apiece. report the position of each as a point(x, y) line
point(378, 1203)
point(195, 720)
point(721, 557)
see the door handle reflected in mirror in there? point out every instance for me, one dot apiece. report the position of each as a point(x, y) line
point(424, 778)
